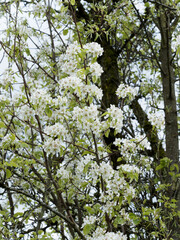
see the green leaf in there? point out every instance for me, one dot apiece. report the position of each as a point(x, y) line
point(119, 220)
point(65, 32)
point(8, 173)
point(23, 144)
point(164, 162)
point(18, 214)
point(48, 112)
point(79, 90)
point(27, 51)
point(12, 137)
point(73, 2)
point(178, 50)
point(107, 133)
point(119, 159)
point(2, 125)
point(97, 207)
point(87, 228)
point(89, 209)
point(11, 164)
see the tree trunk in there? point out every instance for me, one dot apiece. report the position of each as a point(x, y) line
point(171, 125)
point(109, 84)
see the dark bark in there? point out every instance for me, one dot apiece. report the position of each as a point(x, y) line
point(168, 82)
point(109, 84)
point(171, 125)
point(152, 136)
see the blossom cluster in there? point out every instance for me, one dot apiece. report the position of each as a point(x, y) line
point(63, 173)
point(116, 185)
point(26, 112)
point(56, 130)
point(73, 60)
point(52, 146)
point(79, 63)
point(125, 91)
point(100, 234)
point(80, 89)
point(72, 125)
point(177, 42)
point(94, 49)
point(129, 147)
point(95, 69)
point(40, 98)
point(156, 120)
point(114, 117)
point(89, 220)
point(87, 118)
point(129, 168)
point(7, 78)
point(8, 140)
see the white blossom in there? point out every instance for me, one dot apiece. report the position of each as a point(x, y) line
point(114, 116)
point(26, 112)
point(56, 130)
point(156, 119)
point(87, 118)
point(63, 173)
point(52, 146)
point(89, 220)
point(96, 69)
point(100, 234)
point(94, 48)
point(106, 170)
point(40, 98)
point(142, 142)
point(177, 42)
point(93, 91)
point(124, 91)
point(7, 78)
point(129, 168)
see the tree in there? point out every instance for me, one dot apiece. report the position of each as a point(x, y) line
point(89, 120)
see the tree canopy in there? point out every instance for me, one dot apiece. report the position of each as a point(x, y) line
point(89, 119)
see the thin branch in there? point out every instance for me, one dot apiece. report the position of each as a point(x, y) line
point(147, 35)
point(66, 219)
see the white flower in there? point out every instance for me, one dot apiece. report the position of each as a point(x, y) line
point(8, 141)
point(125, 215)
point(71, 82)
point(87, 118)
point(52, 146)
point(114, 118)
point(156, 119)
point(41, 98)
point(69, 67)
point(177, 42)
point(94, 48)
point(96, 69)
point(124, 91)
point(8, 78)
point(26, 112)
point(63, 173)
point(89, 220)
point(93, 91)
point(73, 49)
point(129, 168)
point(130, 191)
point(106, 170)
point(142, 142)
point(83, 162)
point(100, 234)
point(56, 130)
